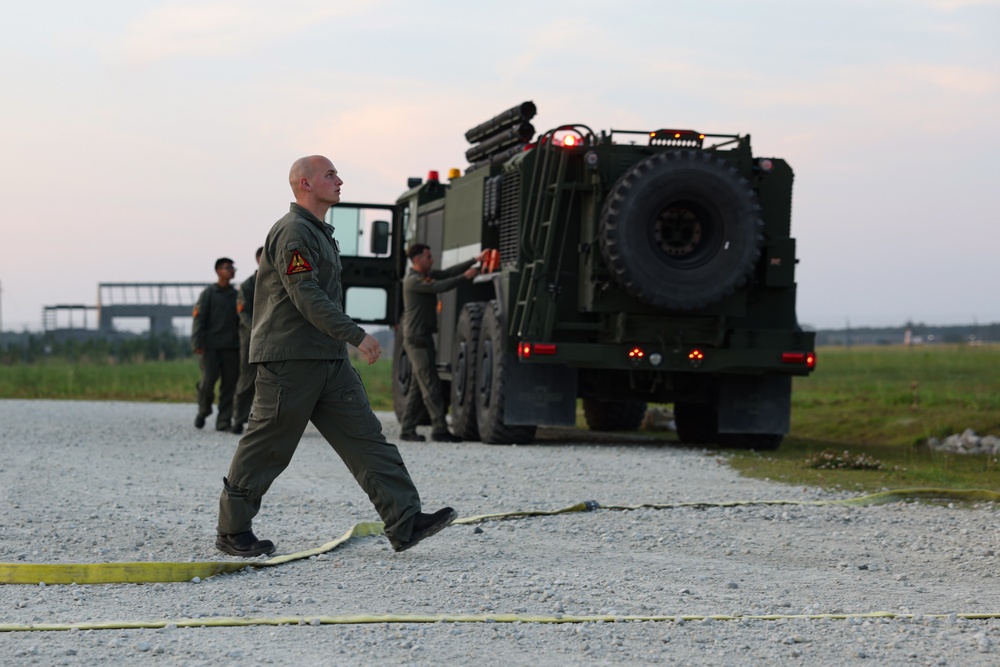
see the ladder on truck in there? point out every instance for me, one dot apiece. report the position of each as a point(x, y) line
point(547, 190)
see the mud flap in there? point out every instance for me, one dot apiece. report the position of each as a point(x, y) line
point(755, 403)
point(542, 394)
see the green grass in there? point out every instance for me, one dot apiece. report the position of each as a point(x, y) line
point(885, 402)
point(882, 402)
point(169, 381)
point(898, 395)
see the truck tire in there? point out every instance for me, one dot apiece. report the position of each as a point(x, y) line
point(463, 364)
point(697, 423)
point(490, 382)
point(681, 229)
point(613, 415)
point(401, 378)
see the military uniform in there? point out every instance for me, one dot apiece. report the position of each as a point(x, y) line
point(248, 373)
point(215, 331)
point(299, 344)
point(419, 325)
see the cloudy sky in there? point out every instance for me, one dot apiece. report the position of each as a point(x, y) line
point(139, 141)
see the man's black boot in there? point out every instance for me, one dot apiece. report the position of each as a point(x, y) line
point(244, 544)
point(445, 436)
point(412, 437)
point(237, 428)
point(425, 525)
point(199, 421)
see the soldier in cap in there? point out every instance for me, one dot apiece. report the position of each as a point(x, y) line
point(299, 344)
point(215, 339)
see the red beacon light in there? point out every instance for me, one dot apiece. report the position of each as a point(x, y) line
point(433, 176)
point(567, 139)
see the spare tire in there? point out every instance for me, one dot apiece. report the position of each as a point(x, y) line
point(681, 229)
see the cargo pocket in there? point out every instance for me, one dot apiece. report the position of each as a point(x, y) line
point(269, 392)
point(361, 421)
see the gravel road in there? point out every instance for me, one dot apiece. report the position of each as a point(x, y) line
point(103, 482)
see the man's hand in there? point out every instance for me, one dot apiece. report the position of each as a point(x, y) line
point(370, 348)
point(484, 256)
point(471, 273)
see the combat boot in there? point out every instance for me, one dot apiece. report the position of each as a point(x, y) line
point(425, 525)
point(244, 544)
point(445, 436)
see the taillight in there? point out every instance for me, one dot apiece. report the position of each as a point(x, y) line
point(807, 359)
point(526, 350)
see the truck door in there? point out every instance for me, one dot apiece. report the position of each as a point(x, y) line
point(371, 252)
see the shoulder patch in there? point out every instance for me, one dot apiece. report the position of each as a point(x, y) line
point(428, 280)
point(298, 264)
point(239, 307)
point(194, 313)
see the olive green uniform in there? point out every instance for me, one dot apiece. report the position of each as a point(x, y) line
point(299, 344)
point(215, 331)
point(248, 373)
point(419, 325)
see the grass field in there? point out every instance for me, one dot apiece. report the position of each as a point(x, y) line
point(883, 402)
point(171, 381)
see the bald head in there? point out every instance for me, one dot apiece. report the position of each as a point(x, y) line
point(315, 183)
point(305, 168)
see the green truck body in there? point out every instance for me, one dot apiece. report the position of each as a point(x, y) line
point(633, 268)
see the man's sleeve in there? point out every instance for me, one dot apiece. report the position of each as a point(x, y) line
point(199, 321)
point(438, 281)
point(452, 271)
point(296, 262)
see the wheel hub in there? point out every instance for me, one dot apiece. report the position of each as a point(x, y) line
point(678, 231)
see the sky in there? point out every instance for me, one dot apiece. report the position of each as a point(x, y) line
point(140, 141)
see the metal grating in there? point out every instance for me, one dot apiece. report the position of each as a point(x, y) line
point(510, 216)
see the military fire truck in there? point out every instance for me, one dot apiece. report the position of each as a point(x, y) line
point(632, 267)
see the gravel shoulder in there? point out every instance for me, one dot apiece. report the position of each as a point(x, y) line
point(106, 482)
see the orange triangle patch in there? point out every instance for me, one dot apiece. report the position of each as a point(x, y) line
point(298, 264)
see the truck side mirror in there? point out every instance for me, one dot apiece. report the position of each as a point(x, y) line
point(380, 238)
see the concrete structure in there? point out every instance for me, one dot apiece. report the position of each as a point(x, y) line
point(160, 303)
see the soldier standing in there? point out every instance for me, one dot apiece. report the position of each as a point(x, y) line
point(299, 344)
point(248, 373)
point(215, 339)
point(421, 285)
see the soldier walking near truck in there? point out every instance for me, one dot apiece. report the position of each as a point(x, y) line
point(299, 344)
point(421, 285)
point(248, 373)
point(215, 339)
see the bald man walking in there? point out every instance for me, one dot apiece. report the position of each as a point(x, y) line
point(299, 344)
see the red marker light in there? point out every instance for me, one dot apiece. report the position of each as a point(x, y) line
point(525, 350)
point(696, 355)
point(636, 353)
point(806, 358)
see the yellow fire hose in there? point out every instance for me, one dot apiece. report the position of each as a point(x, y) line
point(156, 572)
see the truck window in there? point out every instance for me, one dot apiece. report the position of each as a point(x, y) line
point(353, 228)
